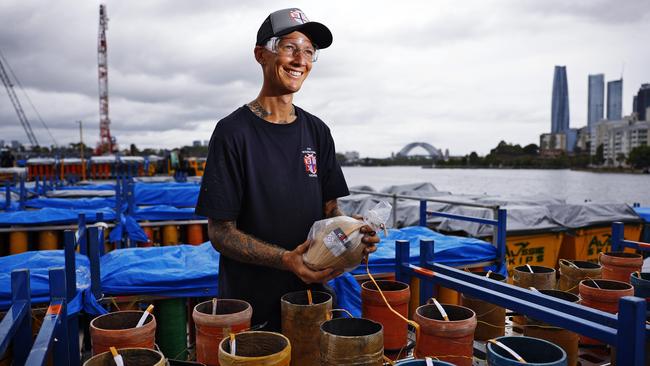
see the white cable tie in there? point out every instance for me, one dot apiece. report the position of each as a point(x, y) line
point(101, 224)
point(508, 349)
point(440, 309)
point(429, 361)
point(144, 316)
point(214, 306)
point(233, 344)
point(530, 268)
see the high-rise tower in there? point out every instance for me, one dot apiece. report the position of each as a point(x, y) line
point(615, 99)
point(642, 102)
point(560, 101)
point(596, 100)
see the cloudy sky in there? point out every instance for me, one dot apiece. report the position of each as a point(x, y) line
point(461, 75)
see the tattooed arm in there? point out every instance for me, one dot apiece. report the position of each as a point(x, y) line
point(235, 244)
point(331, 209)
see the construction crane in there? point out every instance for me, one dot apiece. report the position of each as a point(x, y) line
point(106, 143)
point(19, 109)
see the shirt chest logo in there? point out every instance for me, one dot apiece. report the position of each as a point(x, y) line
point(309, 159)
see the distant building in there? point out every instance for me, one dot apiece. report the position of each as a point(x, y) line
point(351, 156)
point(583, 141)
point(2, 144)
point(196, 143)
point(15, 145)
point(615, 100)
point(620, 137)
point(596, 99)
point(642, 103)
point(571, 139)
point(552, 144)
point(560, 101)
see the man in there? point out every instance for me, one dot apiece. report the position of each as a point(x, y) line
point(271, 173)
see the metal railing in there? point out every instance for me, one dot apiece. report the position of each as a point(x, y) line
point(626, 331)
point(499, 224)
point(54, 336)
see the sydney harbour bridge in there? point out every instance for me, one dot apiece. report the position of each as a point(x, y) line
point(432, 152)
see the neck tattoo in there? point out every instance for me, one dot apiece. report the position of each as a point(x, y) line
point(259, 111)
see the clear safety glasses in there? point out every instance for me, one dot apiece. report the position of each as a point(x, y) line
point(288, 48)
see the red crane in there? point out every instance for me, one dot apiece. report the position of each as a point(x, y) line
point(106, 143)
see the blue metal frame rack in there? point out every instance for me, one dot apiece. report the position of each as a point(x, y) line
point(16, 326)
point(499, 224)
point(626, 331)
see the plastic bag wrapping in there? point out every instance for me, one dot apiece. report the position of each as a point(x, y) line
point(336, 242)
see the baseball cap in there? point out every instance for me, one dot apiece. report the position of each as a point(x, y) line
point(285, 21)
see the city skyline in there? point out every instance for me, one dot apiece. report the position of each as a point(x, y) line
point(458, 76)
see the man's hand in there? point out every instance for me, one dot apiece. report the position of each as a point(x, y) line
point(292, 261)
point(370, 239)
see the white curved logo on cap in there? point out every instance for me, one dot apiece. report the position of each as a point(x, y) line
point(298, 16)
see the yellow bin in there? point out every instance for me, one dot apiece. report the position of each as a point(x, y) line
point(587, 242)
point(539, 249)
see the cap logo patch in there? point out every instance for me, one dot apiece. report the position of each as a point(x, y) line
point(298, 16)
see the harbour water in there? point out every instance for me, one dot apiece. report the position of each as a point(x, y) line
point(573, 186)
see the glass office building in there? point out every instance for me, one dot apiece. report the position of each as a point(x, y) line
point(560, 101)
point(615, 100)
point(596, 100)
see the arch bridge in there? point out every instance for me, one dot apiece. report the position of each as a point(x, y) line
point(430, 149)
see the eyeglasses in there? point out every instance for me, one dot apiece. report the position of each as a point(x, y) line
point(288, 48)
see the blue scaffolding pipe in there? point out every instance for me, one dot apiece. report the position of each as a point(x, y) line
point(619, 243)
point(626, 331)
point(53, 334)
point(16, 326)
point(499, 225)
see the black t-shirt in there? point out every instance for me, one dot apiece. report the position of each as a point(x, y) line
point(272, 179)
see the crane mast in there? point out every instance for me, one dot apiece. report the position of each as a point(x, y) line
point(106, 142)
point(16, 103)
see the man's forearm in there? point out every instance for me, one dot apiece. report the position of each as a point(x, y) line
point(233, 243)
point(331, 209)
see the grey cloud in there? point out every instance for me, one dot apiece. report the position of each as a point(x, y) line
point(621, 12)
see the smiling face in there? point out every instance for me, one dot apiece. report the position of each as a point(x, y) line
point(285, 73)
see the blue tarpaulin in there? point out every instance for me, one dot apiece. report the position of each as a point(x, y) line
point(450, 250)
point(133, 230)
point(38, 263)
point(172, 194)
point(75, 203)
point(179, 271)
point(89, 187)
point(186, 270)
point(163, 212)
point(52, 216)
point(644, 212)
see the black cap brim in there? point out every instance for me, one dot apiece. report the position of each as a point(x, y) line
point(318, 33)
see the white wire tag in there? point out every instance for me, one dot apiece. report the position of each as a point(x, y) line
point(530, 268)
point(214, 306)
point(508, 349)
point(144, 316)
point(233, 344)
point(429, 361)
point(440, 309)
